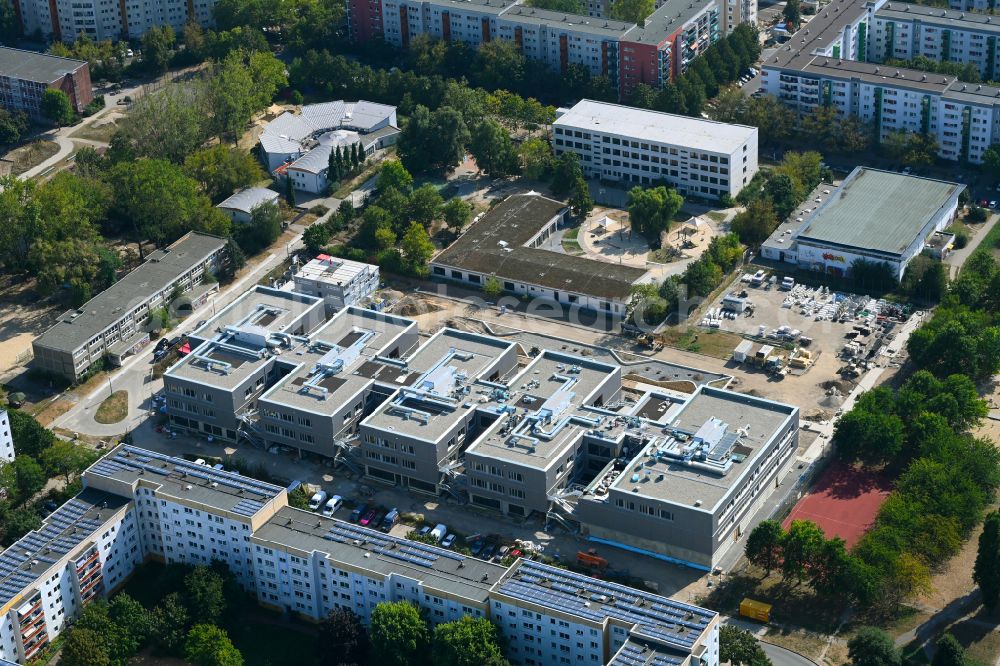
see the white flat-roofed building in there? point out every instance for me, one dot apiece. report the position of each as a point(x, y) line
point(339, 282)
point(240, 206)
point(140, 505)
point(621, 143)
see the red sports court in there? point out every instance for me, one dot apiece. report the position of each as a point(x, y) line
point(843, 502)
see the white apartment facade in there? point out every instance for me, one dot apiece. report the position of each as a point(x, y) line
point(697, 157)
point(67, 20)
point(137, 504)
point(6, 438)
point(903, 31)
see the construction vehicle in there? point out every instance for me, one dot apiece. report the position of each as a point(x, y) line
point(775, 367)
point(590, 558)
point(763, 354)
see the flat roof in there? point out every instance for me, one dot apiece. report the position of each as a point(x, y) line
point(264, 307)
point(363, 549)
point(333, 270)
point(37, 67)
point(77, 327)
point(878, 210)
point(331, 368)
point(249, 198)
point(566, 22)
point(496, 245)
point(938, 16)
point(63, 530)
point(448, 360)
point(667, 19)
point(655, 126)
point(674, 482)
point(638, 652)
point(821, 30)
point(571, 380)
point(185, 480)
point(647, 616)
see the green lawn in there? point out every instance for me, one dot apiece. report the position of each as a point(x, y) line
point(570, 244)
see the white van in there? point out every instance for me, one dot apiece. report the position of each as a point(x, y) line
point(318, 500)
point(439, 531)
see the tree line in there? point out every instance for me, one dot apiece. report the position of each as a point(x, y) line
point(39, 457)
point(155, 183)
point(920, 433)
point(721, 63)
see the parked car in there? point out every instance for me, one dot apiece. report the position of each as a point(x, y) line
point(516, 553)
point(476, 547)
point(332, 505)
point(390, 519)
point(502, 553)
point(377, 520)
point(317, 500)
point(448, 541)
point(359, 511)
point(368, 517)
point(993, 204)
point(423, 531)
point(488, 551)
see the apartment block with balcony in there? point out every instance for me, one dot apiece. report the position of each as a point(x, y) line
point(138, 505)
point(67, 20)
point(903, 31)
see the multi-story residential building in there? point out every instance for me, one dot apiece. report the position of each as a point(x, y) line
point(903, 31)
point(67, 20)
point(26, 75)
point(349, 367)
point(6, 438)
point(628, 54)
point(339, 282)
point(621, 143)
point(825, 63)
point(415, 438)
point(138, 504)
point(508, 243)
point(877, 216)
point(111, 324)
point(737, 11)
point(233, 357)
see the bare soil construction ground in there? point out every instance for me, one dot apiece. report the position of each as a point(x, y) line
point(31, 154)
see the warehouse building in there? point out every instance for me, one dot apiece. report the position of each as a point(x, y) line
point(697, 157)
point(132, 508)
point(508, 244)
point(112, 323)
point(26, 75)
point(875, 216)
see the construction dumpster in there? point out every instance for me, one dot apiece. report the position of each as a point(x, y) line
point(755, 610)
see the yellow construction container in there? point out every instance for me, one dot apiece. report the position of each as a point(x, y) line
point(755, 610)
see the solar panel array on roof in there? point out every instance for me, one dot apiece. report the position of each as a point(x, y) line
point(129, 458)
point(405, 550)
point(653, 616)
point(636, 655)
point(64, 530)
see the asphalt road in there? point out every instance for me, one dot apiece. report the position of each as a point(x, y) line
point(780, 656)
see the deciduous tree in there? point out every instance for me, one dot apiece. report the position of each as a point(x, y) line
point(399, 635)
point(763, 547)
